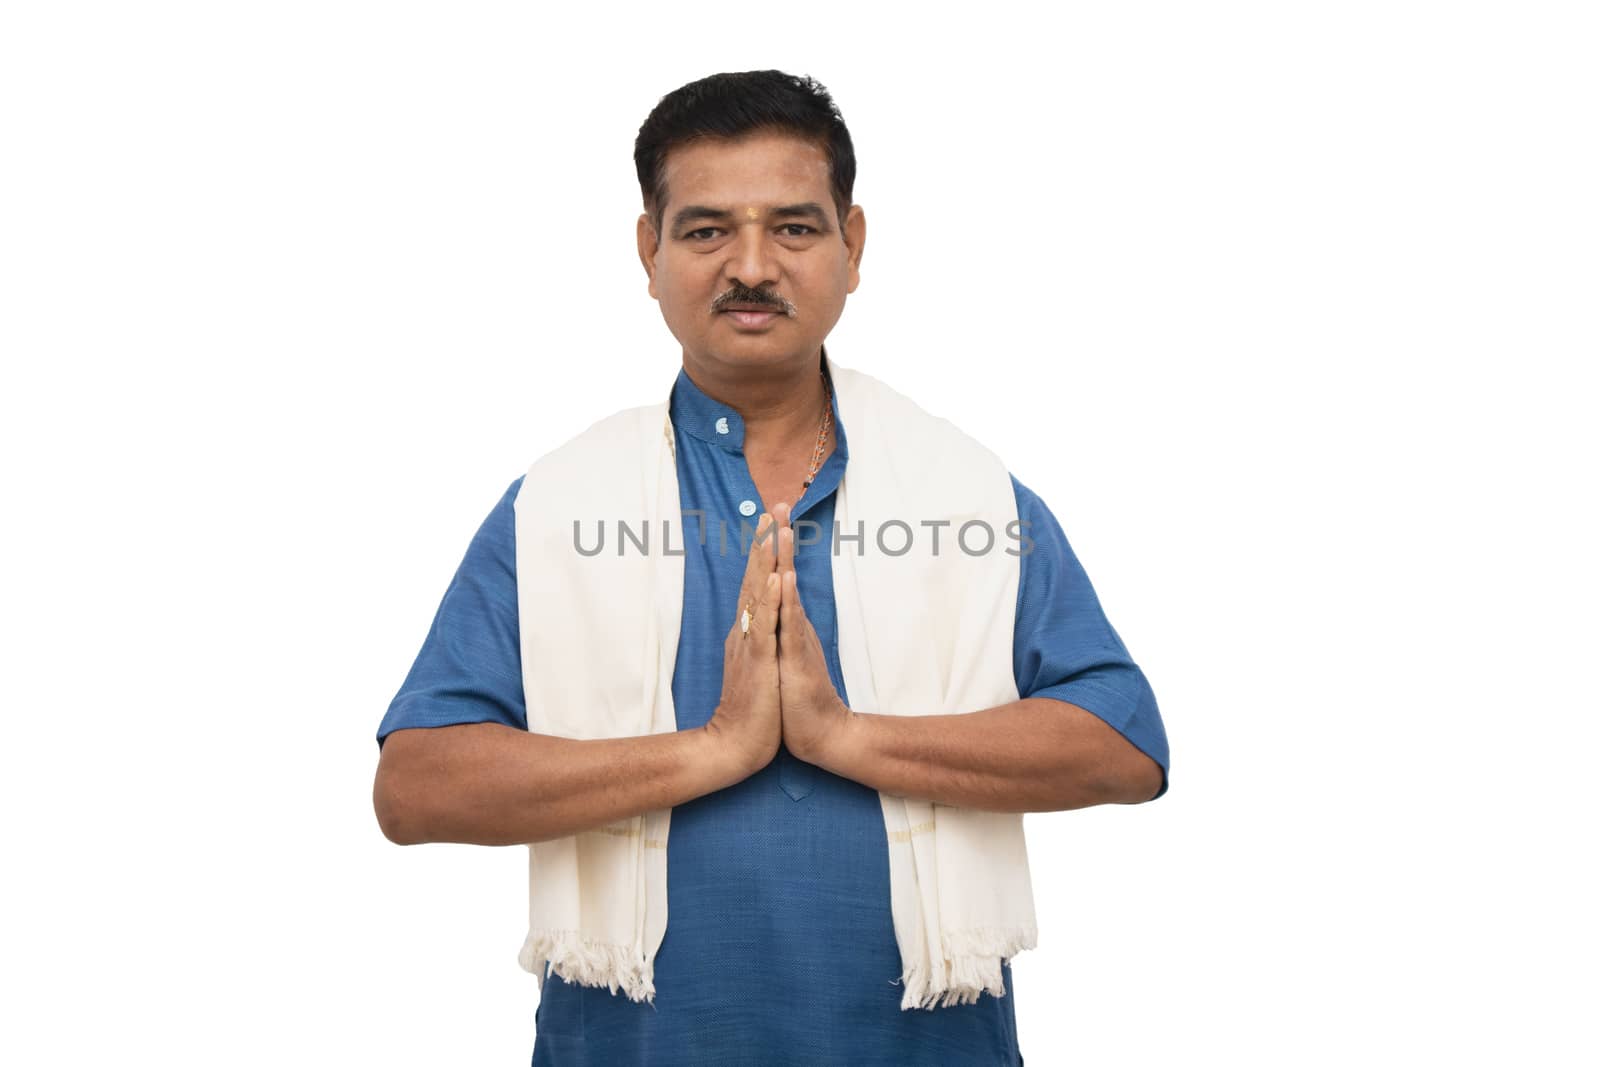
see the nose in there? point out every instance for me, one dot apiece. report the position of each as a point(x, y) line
point(751, 261)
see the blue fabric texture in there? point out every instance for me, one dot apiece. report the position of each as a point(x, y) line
point(780, 945)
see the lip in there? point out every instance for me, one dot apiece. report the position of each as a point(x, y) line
point(751, 320)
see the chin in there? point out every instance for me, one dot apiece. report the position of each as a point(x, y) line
point(757, 351)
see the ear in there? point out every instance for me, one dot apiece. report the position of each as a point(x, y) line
point(649, 244)
point(855, 242)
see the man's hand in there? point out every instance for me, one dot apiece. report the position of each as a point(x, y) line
point(813, 715)
point(748, 719)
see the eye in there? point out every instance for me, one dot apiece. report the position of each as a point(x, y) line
point(704, 229)
point(798, 226)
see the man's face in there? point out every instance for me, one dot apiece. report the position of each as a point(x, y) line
point(751, 222)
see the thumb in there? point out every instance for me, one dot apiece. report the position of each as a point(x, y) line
point(767, 613)
point(791, 620)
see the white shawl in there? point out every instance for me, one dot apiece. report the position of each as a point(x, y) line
point(920, 632)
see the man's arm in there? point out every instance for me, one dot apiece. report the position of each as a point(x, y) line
point(1035, 754)
point(457, 761)
point(1044, 752)
point(491, 784)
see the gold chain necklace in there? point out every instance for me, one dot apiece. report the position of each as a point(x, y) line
point(822, 436)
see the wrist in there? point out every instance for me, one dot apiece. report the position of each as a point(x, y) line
point(730, 761)
point(839, 741)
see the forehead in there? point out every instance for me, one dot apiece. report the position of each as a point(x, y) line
point(757, 170)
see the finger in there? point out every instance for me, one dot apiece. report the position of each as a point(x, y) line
point(803, 625)
point(765, 624)
point(780, 519)
point(791, 622)
point(756, 566)
point(785, 545)
point(764, 544)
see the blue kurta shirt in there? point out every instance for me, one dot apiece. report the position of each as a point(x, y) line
point(780, 945)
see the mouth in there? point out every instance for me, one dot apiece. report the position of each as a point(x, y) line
point(751, 319)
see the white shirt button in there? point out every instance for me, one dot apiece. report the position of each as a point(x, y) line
point(747, 507)
point(722, 424)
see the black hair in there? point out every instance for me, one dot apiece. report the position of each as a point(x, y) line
point(732, 106)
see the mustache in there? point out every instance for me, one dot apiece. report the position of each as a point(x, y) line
point(741, 294)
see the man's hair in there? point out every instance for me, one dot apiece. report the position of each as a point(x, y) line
point(730, 106)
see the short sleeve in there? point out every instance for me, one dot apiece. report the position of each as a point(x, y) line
point(470, 666)
point(1065, 648)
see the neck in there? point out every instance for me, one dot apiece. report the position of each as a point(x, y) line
point(780, 405)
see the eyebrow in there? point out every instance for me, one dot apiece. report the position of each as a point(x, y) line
point(695, 212)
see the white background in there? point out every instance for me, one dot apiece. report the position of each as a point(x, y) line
point(1288, 311)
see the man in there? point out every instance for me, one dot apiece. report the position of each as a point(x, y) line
point(781, 946)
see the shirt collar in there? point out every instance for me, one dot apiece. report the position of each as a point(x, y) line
point(695, 413)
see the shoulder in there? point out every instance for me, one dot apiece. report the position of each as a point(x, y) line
point(913, 425)
point(1034, 512)
point(922, 462)
point(1047, 555)
point(1027, 499)
point(493, 548)
point(505, 507)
